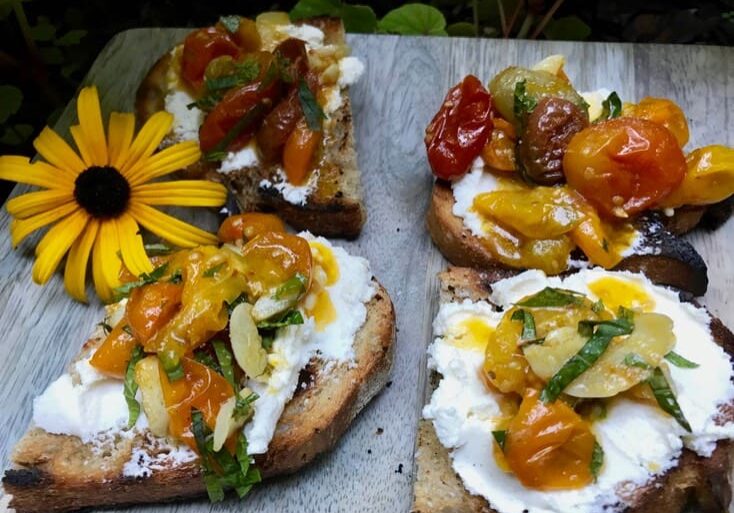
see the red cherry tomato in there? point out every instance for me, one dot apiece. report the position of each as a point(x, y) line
point(625, 165)
point(460, 129)
point(200, 47)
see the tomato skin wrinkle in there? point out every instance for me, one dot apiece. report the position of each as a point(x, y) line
point(460, 129)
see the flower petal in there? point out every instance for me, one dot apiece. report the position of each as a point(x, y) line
point(190, 193)
point(22, 228)
point(81, 144)
point(56, 243)
point(131, 244)
point(148, 139)
point(165, 162)
point(75, 273)
point(19, 169)
point(90, 119)
point(120, 133)
point(57, 153)
point(105, 262)
point(33, 203)
point(173, 230)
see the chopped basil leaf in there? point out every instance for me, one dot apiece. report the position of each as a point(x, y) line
point(176, 277)
point(288, 318)
point(205, 358)
point(172, 366)
point(550, 297)
point(242, 298)
point(311, 108)
point(665, 397)
point(221, 469)
point(220, 150)
point(243, 406)
point(231, 23)
point(105, 327)
point(626, 313)
point(679, 361)
point(292, 288)
point(598, 307)
point(500, 437)
point(605, 245)
point(597, 460)
point(243, 73)
point(127, 329)
point(635, 360)
point(528, 324)
point(131, 387)
point(600, 335)
point(215, 156)
point(224, 357)
point(523, 103)
point(145, 279)
point(611, 107)
point(157, 249)
point(209, 273)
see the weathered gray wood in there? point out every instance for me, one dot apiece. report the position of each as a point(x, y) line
point(405, 82)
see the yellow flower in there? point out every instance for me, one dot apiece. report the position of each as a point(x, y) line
point(97, 198)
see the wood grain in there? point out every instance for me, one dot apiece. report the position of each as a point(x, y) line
point(406, 79)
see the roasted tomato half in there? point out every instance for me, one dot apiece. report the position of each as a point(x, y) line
point(625, 165)
point(460, 130)
point(200, 48)
point(248, 225)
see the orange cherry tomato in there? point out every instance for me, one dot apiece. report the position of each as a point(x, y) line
point(272, 258)
point(499, 152)
point(201, 388)
point(460, 129)
point(151, 307)
point(299, 151)
point(111, 358)
point(200, 48)
point(249, 225)
point(246, 36)
point(549, 446)
point(662, 111)
point(625, 165)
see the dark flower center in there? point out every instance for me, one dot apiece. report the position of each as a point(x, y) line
point(102, 191)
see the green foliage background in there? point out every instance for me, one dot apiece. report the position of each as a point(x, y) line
point(46, 47)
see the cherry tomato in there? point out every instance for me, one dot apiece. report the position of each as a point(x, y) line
point(151, 307)
point(662, 111)
point(460, 129)
point(246, 35)
point(499, 152)
point(625, 165)
point(200, 388)
point(299, 152)
point(273, 258)
point(249, 225)
point(549, 446)
point(111, 358)
point(200, 47)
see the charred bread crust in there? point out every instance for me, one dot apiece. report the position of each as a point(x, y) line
point(335, 209)
point(703, 482)
point(52, 473)
point(666, 259)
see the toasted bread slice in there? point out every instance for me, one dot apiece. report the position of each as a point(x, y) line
point(667, 259)
point(438, 489)
point(334, 208)
point(57, 473)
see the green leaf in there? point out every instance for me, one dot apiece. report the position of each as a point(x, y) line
point(224, 356)
point(243, 406)
point(462, 29)
point(145, 279)
point(231, 23)
point(679, 361)
point(523, 102)
point(552, 297)
point(528, 324)
point(415, 20)
point(568, 28)
point(598, 307)
point(292, 288)
point(312, 8)
point(242, 298)
point(106, 328)
point(220, 150)
point(611, 108)
point(209, 273)
point(665, 397)
point(16, 134)
point(289, 318)
point(500, 437)
point(205, 358)
point(602, 333)
point(172, 365)
point(131, 387)
point(597, 460)
point(635, 360)
point(311, 108)
point(71, 38)
point(43, 30)
point(360, 19)
point(11, 98)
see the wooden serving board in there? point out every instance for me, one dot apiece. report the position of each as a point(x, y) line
point(371, 468)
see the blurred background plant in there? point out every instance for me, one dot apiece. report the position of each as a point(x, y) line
point(46, 47)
